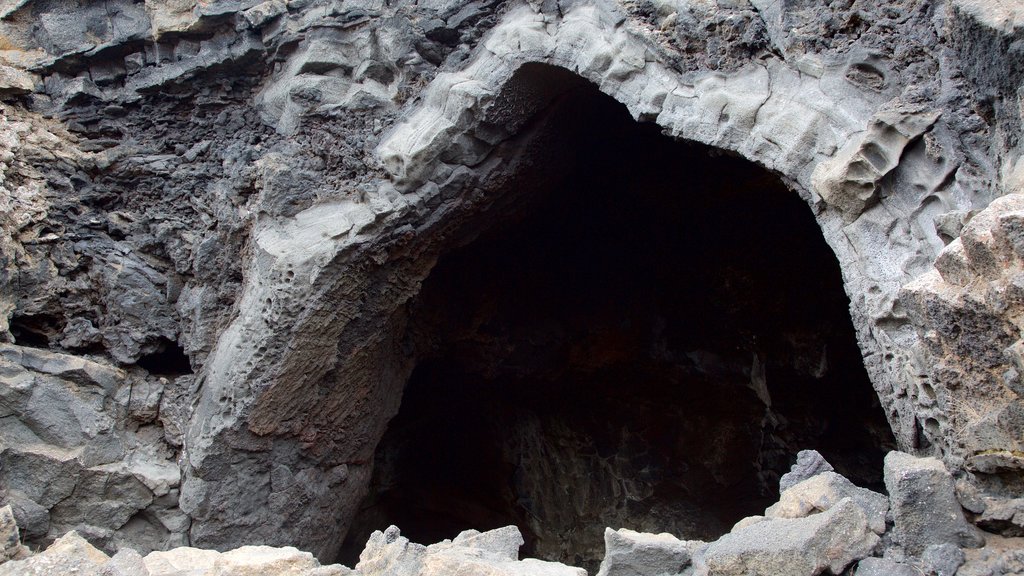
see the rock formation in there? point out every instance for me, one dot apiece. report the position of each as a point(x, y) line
point(837, 534)
point(232, 232)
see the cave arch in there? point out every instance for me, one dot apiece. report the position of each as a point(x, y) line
point(301, 386)
point(643, 336)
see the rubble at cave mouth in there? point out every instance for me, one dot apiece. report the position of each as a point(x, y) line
point(645, 340)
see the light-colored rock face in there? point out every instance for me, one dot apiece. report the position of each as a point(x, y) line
point(227, 206)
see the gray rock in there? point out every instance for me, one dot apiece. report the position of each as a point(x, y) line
point(495, 553)
point(942, 559)
point(899, 127)
point(1003, 516)
point(824, 490)
point(10, 539)
point(629, 553)
point(808, 463)
point(69, 554)
point(126, 562)
point(884, 567)
point(831, 540)
point(924, 506)
point(33, 519)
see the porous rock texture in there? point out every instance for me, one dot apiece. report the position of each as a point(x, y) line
point(216, 213)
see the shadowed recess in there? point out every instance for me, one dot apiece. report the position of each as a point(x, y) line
point(646, 343)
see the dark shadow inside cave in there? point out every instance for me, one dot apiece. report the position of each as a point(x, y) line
point(644, 341)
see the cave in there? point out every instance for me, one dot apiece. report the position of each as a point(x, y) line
point(643, 336)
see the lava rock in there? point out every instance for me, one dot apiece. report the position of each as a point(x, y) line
point(69, 554)
point(808, 463)
point(884, 567)
point(807, 546)
point(629, 553)
point(924, 505)
point(942, 559)
point(1005, 517)
point(824, 490)
point(10, 540)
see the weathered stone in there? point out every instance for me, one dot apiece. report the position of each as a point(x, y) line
point(831, 540)
point(290, 299)
point(824, 490)
point(126, 562)
point(1004, 517)
point(69, 554)
point(629, 553)
point(808, 463)
point(924, 506)
point(942, 559)
point(884, 567)
point(10, 539)
point(492, 553)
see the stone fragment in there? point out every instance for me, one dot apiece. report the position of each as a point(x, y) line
point(10, 539)
point(942, 559)
point(14, 81)
point(629, 553)
point(821, 492)
point(808, 463)
point(260, 560)
point(884, 567)
point(924, 505)
point(389, 552)
point(807, 546)
point(69, 554)
point(1005, 517)
point(492, 553)
point(126, 562)
point(183, 561)
point(261, 13)
point(33, 520)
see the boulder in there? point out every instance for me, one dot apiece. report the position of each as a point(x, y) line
point(629, 553)
point(924, 505)
point(824, 490)
point(831, 540)
point(126, 562)
point(69, 554)
point(389, 552)
point(492, 553)
point(808, 463)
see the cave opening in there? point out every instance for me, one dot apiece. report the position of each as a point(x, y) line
point(169, 359)
point(644, 339)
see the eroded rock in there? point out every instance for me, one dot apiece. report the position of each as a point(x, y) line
point(830, 540)
point(924, 506)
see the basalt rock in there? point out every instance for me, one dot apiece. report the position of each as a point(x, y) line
point(238, 236)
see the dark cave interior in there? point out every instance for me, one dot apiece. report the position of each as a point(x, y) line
point(646, 343)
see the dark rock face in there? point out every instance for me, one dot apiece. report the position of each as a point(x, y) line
point(623, 348)
point(226, 227)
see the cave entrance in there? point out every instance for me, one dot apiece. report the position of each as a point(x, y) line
point(645, 340)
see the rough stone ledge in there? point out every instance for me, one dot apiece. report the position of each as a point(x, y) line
point(822, 525)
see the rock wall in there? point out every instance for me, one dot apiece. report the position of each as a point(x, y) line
point(216, 212)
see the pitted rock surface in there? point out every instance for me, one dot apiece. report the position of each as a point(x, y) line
point(215, 214)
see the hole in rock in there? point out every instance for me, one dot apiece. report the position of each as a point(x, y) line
point(643, 339)
point(169, 359)
point(35, 330)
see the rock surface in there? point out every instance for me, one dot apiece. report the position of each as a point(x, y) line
point(215, 214)
point(833, 540)
point(925, 510)
point(629, 553)
point(830, 540)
